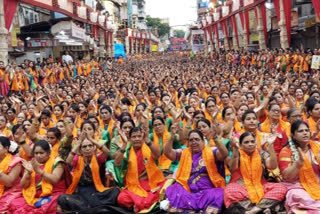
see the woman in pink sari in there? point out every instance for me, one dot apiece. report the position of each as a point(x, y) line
point(299, 166)
point(42, 182)
point(10, 169)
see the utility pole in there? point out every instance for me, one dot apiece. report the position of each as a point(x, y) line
point(3, 36)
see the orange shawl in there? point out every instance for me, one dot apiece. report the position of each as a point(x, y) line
point(29, 193)
point(313, 126)
point(155, 175)
point(184, 170)
point(266, 126)
point(95, 174)
point(4, 166)
point(251, 171)
point(308, 178)
point(110, 126)
point(163, 162)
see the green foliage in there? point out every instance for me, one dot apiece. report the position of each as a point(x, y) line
point(179, 33)
point(163, 28)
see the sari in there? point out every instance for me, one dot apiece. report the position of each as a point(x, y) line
point(297, 198)
point(202, 195)
point(9, 194)
point(245, 194)
point(45, 204)
point(83, 193)
point(143, 179)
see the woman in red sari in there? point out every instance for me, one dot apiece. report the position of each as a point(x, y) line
point(42, 182)
point(248, 191)
point(143, 178)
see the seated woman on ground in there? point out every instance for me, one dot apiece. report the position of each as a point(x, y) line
point(248, 191)
point(142, 177)
point(200, 176)
point(87, 189)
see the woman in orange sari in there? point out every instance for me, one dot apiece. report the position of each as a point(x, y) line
point(299, 166)
point(248, 190)
point(42, 182)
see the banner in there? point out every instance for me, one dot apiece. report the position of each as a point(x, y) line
point(10, 7)
point(287, 14)
point(315, 64)
point(316, 5)
point(276, 4)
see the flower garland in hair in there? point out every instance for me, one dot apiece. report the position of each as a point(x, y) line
point(295, 153)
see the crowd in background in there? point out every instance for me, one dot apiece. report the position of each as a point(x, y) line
point(180, 132)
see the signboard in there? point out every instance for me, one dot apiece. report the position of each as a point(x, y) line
point(197, 40)
point(77, 32)
point(247, 2)
point(154, 48)
point(202, 4)
point(315, 62)
point(294, 20)
point(33, 43)
point(235, 5)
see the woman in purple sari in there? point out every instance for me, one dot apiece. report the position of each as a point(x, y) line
point(200, 176)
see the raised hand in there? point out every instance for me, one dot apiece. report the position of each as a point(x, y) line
point(27, 165)
point(301, 160)
point(35, 165)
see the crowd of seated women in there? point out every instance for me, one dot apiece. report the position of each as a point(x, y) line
point(177, 144)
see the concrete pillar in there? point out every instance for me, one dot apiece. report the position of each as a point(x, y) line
point(132, 49)
point(244, 36)
point(127, 44)
point(137, 44)
point(112, 45)
point(234, 41)
point(283, 30)
point(145, 46)
point(102, 44)
point(3, 36)
point(226, 44)
point(262, 41)
point(205, 42)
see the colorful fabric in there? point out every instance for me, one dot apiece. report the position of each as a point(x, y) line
point(183, 173)
point(251, 170)
point(155, 175)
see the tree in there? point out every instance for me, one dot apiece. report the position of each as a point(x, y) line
point(179, 33)
point(163, 28)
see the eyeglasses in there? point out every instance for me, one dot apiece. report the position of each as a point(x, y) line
point(87, 146)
